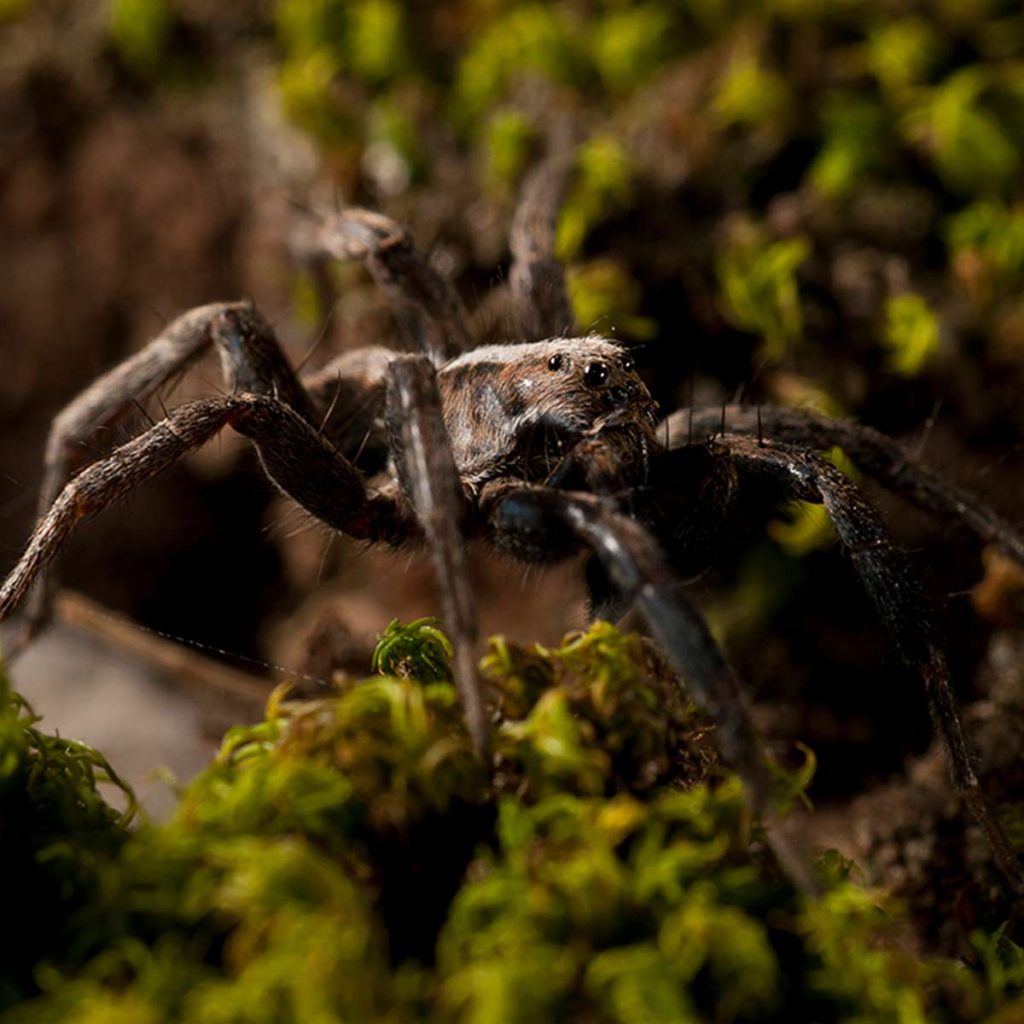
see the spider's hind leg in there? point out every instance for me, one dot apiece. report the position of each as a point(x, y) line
point(296, 456)
point(432, 311)
point(536, 275)
point(251, 359)
point(898, 597)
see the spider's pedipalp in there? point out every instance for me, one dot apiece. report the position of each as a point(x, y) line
point(901, 603)
point(540, 518)
point(877, 455)
point(426, 470)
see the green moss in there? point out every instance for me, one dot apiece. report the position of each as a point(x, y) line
point(964, 137)
point(630, 44)
point(57, 833)
point(527, 38)
point(855, 142)
point(902, 53)
point(759, 290)
point(751, 93)
point(911, 334)
point(506, 144)
point(986, 242)
point(606, 299)
point(349, 858)
point(140, 31)
point(603, 186)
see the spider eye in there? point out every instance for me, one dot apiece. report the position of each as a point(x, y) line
point(628, 363)
point(555, 362)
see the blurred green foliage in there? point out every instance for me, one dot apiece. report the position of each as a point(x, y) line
point(140, 31)
point(759, 290)
point(349, 858)
point(929, 95)
point(846, 107)
point(837, 102)
point(911, 333)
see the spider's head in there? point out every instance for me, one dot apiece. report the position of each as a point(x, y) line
point(519, 408)
point(582, 384)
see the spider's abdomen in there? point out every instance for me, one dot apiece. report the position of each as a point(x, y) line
point(514, 410)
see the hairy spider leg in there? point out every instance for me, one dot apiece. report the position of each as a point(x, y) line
point(543, 309)
point(901, 603)
point(296, 456)
point(877, 455)
point(536, 521)
point(427, 474)
point(432, 311)
point(252, 361)
point(104, 481)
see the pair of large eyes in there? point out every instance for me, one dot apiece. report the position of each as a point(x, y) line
point(556, 361)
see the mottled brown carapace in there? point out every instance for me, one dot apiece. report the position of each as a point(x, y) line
point(543, 447)
point(517, 410)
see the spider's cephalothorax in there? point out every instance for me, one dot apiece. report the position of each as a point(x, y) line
point(545, 447)
point(516, 410)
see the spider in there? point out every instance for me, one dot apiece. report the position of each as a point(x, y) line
point(544, 446)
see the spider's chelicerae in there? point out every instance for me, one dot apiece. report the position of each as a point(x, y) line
point(544, 446)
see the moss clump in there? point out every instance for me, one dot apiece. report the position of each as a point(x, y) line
point(57, 836)
point(350, 859)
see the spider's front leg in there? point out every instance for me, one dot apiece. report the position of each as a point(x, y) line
point(252, 361)
point(426, 470)
point(537, 523)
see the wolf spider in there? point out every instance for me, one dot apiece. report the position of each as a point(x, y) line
point(544, 446)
